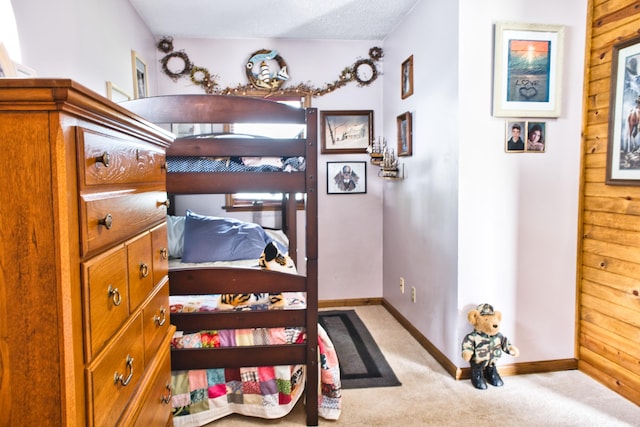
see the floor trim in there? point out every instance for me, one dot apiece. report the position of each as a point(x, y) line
point(456, 372)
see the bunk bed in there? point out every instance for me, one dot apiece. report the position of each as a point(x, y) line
point(213, 156)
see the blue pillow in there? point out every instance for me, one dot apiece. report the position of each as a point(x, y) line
point(208, 238)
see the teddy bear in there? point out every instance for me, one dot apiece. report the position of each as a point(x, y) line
point(484, 346)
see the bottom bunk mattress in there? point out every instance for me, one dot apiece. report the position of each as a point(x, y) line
point(205, 395)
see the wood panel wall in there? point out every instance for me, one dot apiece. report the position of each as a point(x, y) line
point(608, 344)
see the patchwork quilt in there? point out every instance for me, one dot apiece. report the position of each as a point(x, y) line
point(202, 396)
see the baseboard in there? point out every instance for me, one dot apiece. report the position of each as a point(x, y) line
point(349, 302)
point(448, 366)
point(465, 373)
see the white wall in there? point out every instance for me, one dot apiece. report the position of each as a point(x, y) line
point(514, 241)
point(89, 41)
point(350, 226)
point(421, 211)
point(469, 224)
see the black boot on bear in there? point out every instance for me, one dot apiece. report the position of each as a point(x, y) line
point(492, 376)
point(476, 377)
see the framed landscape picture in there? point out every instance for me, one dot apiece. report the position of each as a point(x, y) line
point(527, 70)
point(346, 131)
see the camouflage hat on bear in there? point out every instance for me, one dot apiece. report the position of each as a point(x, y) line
point(485, 309)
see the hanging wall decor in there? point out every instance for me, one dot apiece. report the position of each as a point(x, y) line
point(267, 72)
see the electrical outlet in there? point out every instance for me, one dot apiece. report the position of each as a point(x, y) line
point(402, 285)
point(413, 294)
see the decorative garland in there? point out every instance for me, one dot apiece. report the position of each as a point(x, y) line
point(200, 76)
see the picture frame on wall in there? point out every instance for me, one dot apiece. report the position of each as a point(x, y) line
point(623, 165)
point(116, 94)
point(515, 135)
point(525, 136)
point(536, 138)
point(406, 76)
point(346, 177)
point(346, 132)
point(527, 70)
point(23, 71)
point(405, 134)
point(7, 67)
point(140, 76)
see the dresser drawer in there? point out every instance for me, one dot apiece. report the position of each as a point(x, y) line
point(115, 375)
point(157, 407)
point(156, 321)
point(106, 297)
point(160, 247)
point(105, 159)
point(108, 218)
point(140, 269)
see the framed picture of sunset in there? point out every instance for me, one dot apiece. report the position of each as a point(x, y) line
point(527, 70)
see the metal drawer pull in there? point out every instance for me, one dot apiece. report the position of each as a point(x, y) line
point(144, 270)
point(107, 221)
point(105, 159)
point(114, 294)
point(164, 253)
point(161, 318)
point(167, 398)
point(166, 203)
point(119, 378)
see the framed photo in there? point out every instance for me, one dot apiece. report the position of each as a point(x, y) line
point(405, 134)
point(7, 68)
point(515, 134)
point(140, 77)
point(525, 136)
point(345, 132)
point(116, 94)
point(536, 137)
point(346, 177)
point(527, 70)
point(23, 71)
point(406, 75)
point(623, 164)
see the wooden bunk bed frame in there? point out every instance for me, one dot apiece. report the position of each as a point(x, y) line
point(208, 109)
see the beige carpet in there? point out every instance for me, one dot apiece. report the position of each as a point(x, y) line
point(431, 397)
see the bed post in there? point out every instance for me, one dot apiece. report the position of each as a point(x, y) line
point(311, 222)
point(289, 220)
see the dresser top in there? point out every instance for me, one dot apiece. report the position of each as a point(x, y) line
point(44, 94)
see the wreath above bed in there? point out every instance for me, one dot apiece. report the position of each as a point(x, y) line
point(364, 71)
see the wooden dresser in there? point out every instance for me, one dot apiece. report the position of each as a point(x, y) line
point(84, 296)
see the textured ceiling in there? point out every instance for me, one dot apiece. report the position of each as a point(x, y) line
point(290, 19)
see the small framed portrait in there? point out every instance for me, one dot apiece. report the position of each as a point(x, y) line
point(406, 76)
point(515, 133)
point(405, 144)
point(346, 177)
point(140, 76)
point(536, 137)
point(345, 132)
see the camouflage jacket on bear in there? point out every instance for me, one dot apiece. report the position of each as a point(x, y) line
point(485, 348)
